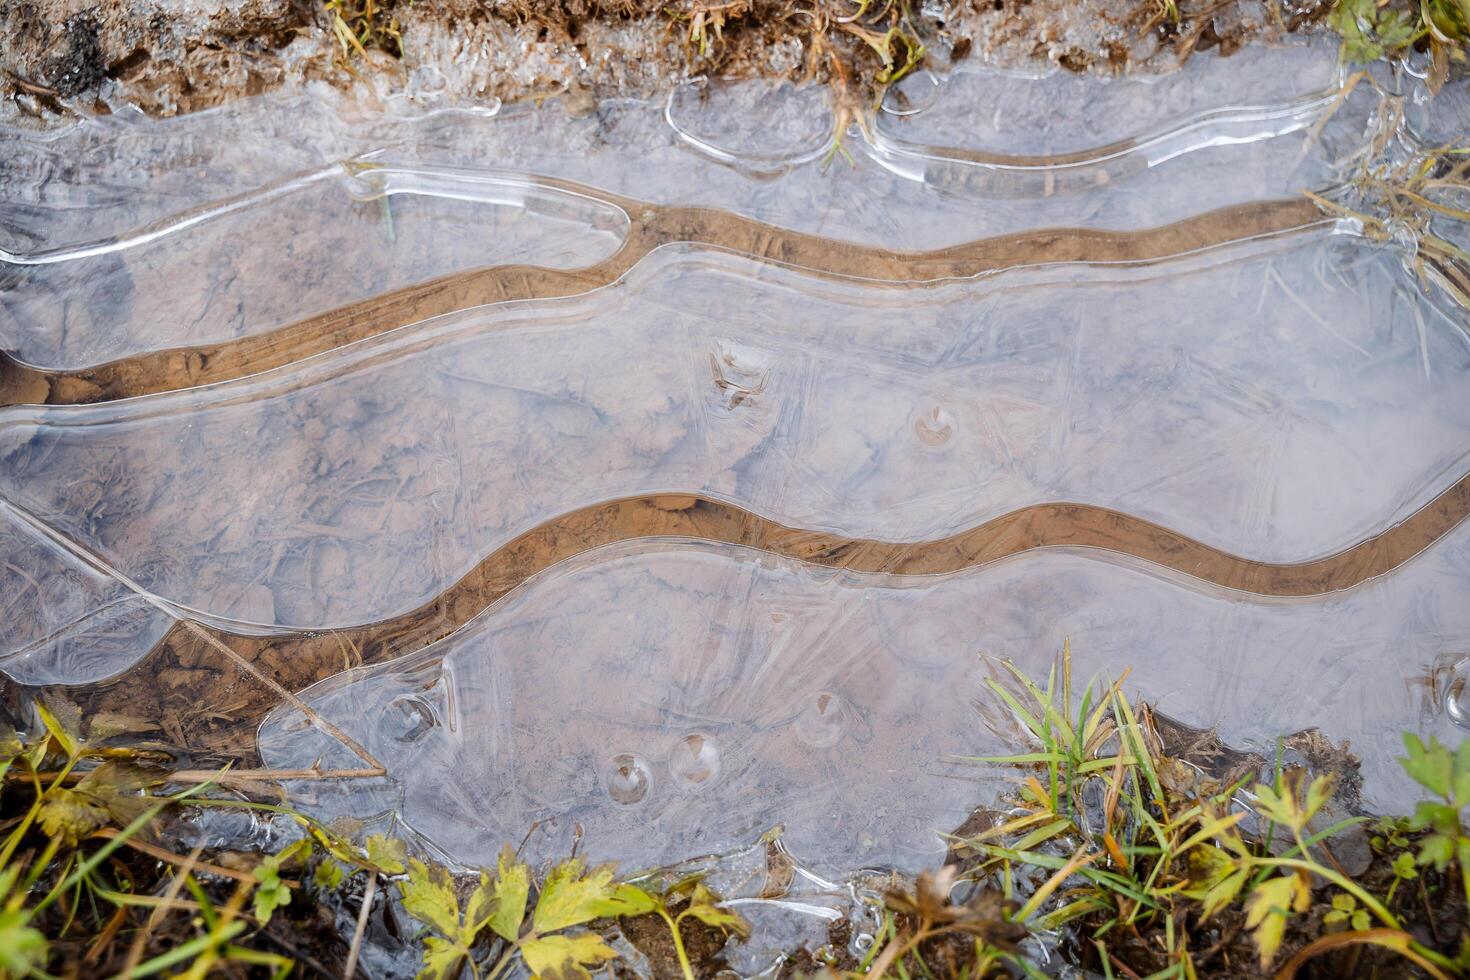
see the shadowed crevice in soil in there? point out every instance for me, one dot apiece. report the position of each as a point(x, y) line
point(651, 226)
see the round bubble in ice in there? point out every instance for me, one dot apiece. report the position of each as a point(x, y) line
point(628, 778)
point(695, 761)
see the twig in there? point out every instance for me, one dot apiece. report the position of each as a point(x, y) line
point(376, 768)
point(180, 860)
point(267, 775)
point(362, 917)
point(223, 777)
point(30, 86)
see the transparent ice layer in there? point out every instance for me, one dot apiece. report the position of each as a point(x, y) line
point(999, 134)
point(66, 622)
point(1278, 400)
point(204, 241)
point(676, 699)
point(306, 246)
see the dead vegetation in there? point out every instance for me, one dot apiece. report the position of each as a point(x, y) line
point(168, 59)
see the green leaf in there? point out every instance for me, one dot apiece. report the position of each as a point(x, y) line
point(569, 898)
point(329, 874)
point(1436, 816)
point(1350, 19)
point(1403, 866)
point(442, 959)
point(635, 900)
point(21, 947)
point(428, 895)
point(272, 892)
point(1462, 774)
point(501, 904)
point(1361, 920)
point(1431, 766)
point(1437, 849)
point(566, 957)
point(1395, 29)
point(387, 854)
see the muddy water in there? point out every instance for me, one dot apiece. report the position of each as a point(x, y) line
point(655, 469)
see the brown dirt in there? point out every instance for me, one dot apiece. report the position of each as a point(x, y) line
point(170, 58)
point(650, 227)
point(649, 934)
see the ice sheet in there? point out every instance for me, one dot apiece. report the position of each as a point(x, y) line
point(676, 699)
point(130, 236)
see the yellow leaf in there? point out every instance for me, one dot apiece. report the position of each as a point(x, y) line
point(66, 735)
point(428, 896)
point(1223, 893)
point(568, 898)
point(500, 902)
point(1317, 796)
point(704, 906)
point(442, 960)
point(386, 853)
point(70, 815)
point(566, 957)
point(1268, 908)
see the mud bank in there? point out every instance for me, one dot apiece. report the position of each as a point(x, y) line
point(169, 58)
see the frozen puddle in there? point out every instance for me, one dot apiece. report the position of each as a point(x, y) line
point(681, 698)
point(1214, 396)
point(673, 477)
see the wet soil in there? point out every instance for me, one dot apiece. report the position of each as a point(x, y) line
point(169, 58)
point(649, 934)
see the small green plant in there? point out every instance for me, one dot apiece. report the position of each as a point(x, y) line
point(1446, 774)
point(1374, 29)
point(1371, 30)
point(88, 801)
point(690, 899)
point(569, 897)
point(1115, 839)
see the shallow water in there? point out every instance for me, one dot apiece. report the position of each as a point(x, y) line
point(674, 475)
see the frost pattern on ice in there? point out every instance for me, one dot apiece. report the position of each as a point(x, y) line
point(824, 698)
point(1254, 401)
point(1280, 398)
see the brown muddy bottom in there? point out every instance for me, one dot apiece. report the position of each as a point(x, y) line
point(654, 475)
